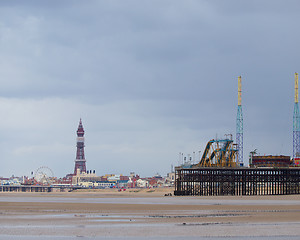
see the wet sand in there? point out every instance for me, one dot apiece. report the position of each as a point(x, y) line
point(147, 215)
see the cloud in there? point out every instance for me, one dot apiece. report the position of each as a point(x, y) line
point(149, 79)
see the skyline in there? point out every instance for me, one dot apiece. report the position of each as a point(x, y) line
point(148, 79)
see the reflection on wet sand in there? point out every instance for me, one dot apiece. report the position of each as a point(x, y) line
point(121, 216)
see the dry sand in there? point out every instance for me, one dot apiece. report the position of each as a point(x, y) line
point(146, 213)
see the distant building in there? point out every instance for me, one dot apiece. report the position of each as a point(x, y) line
point(142, 183)
point(170, 179)
point(270, 161)
point(97, 184)
point(297, 162)
point(89, 176)
point(91, 180)
point(114, 178)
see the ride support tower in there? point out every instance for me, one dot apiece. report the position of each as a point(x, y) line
point(239, 125)
point(80, 162)
point(296, 124)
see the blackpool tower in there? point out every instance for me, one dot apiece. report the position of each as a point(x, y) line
point(80, 159)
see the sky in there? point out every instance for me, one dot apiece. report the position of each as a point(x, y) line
point(150, 80)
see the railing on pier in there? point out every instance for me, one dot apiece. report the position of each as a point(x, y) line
point(24, 188)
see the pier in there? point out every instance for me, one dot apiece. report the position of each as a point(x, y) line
point(36, 188)
point(237, 181)
point(21, 188)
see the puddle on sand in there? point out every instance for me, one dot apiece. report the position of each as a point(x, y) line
point(70, 216)
point(113, 220)
point(154, 200)
point(9, 237)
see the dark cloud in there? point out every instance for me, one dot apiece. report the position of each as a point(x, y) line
point(149, 78)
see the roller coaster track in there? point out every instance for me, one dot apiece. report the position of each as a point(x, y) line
point(219, 153)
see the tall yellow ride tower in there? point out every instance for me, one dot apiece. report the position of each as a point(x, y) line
point(296, 87)
point(239, 124)
point(239, 91)
point(296, 126)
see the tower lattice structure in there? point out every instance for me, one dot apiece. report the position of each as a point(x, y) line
point(239, 124)
point(80, 162)
point(296, 123)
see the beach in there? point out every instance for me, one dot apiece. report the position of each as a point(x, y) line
point(147, 214)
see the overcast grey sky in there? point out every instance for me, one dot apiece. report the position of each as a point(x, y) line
point(149, 79)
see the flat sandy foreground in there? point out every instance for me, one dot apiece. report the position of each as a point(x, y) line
point(146, 214)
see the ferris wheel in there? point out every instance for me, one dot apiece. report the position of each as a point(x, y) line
point(44, 175)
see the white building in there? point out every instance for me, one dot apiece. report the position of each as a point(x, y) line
point(142, 183)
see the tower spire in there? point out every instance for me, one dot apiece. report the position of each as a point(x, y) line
point(239, 124)
point(80, 162)
point(296, 123)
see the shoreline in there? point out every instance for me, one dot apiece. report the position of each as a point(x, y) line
point(143, 192)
